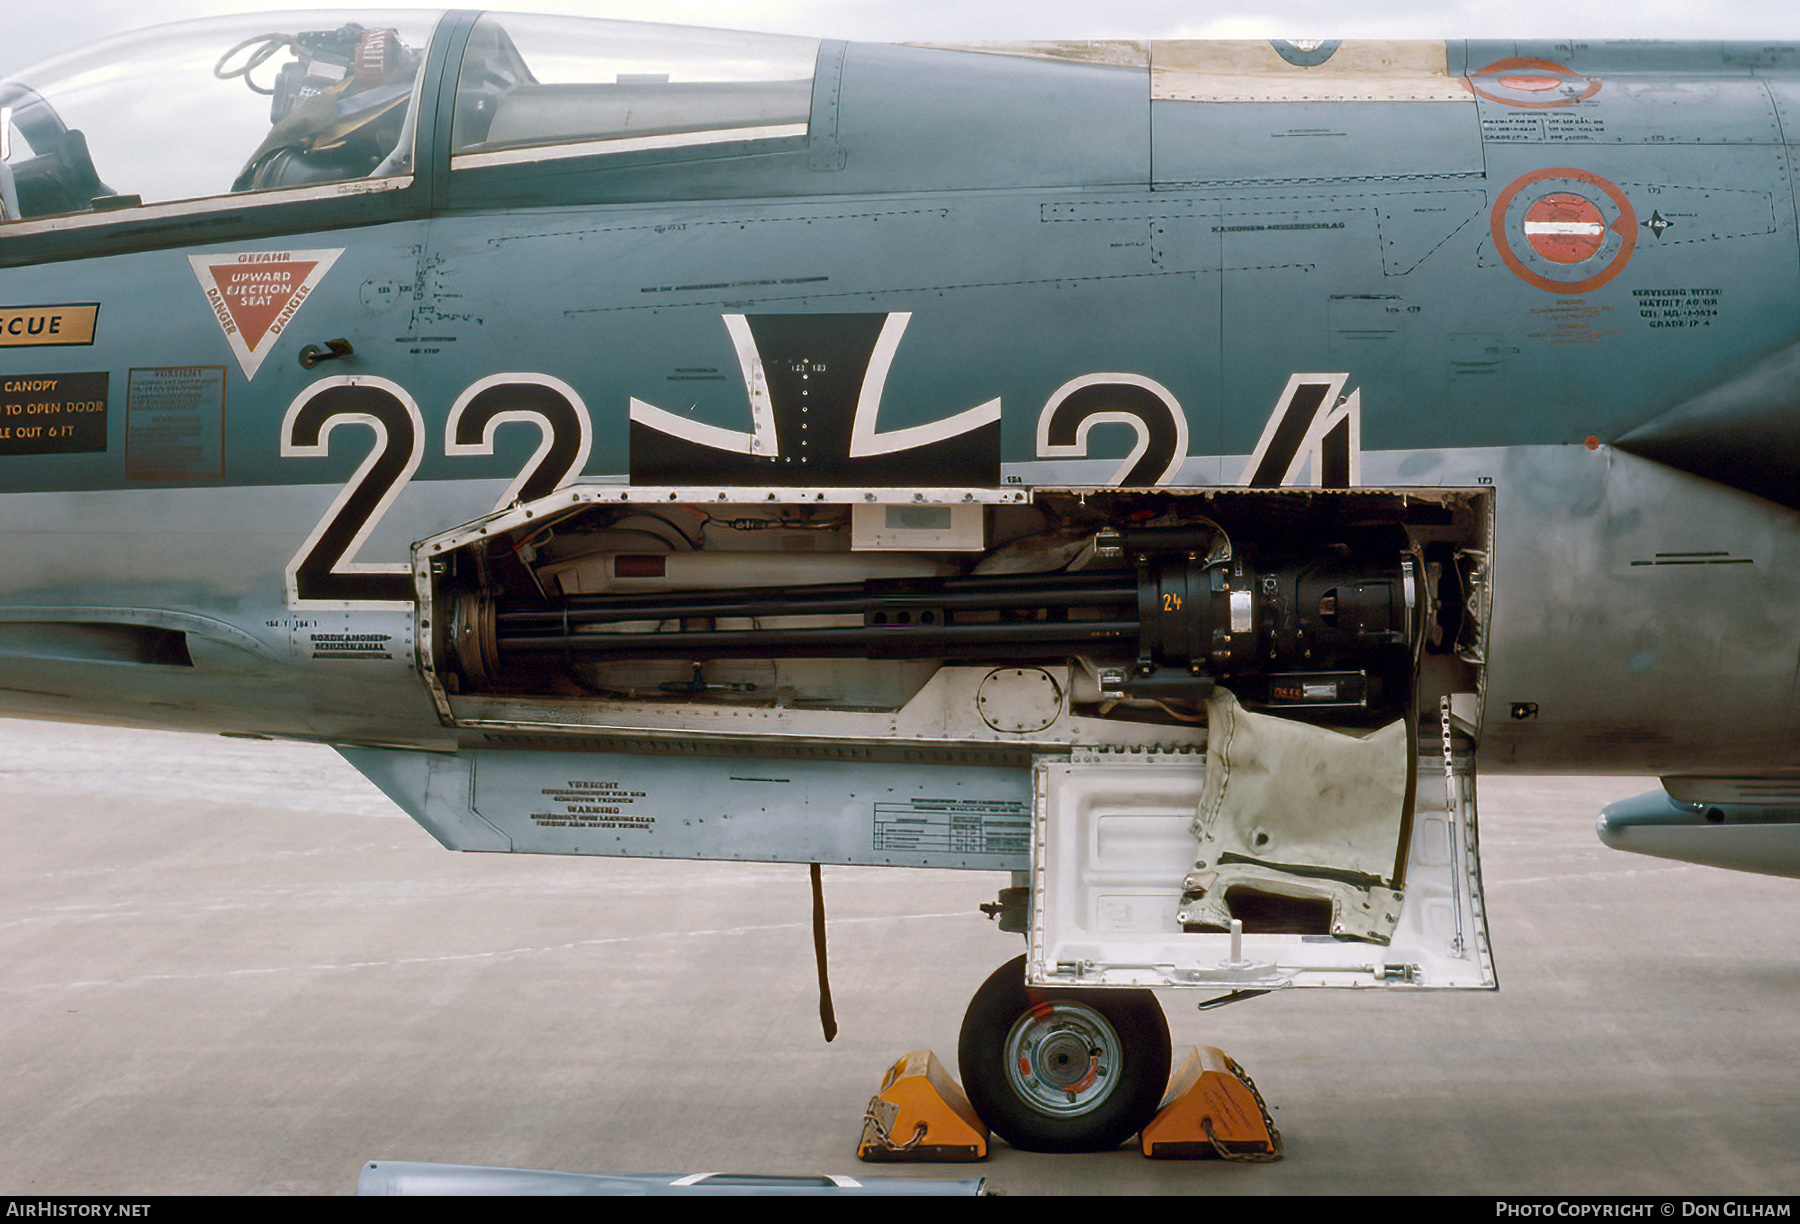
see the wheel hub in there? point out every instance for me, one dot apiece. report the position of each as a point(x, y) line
point(1063, 1058)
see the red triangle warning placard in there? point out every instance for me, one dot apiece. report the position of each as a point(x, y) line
point(254, 295)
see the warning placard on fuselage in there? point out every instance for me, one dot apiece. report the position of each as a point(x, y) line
point(31, 326)
point(690, 804)
point(46, 414)
point(175, 423)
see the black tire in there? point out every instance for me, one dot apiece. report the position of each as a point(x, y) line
point(1062, 1070)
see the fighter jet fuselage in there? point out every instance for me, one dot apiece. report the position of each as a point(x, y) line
point(620, 439)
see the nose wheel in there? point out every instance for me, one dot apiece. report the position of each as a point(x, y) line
point(1057, 1070)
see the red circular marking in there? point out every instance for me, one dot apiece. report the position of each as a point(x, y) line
point(1593, 443)
point(1565, 228)
point(1625, 227)
point(1503, 79)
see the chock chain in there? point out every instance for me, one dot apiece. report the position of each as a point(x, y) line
point(879, 1116)
point(1274, 1152)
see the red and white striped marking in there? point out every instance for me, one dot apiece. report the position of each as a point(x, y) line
point(1565, 228)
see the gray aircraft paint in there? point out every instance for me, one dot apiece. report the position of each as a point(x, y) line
point(1044, 225)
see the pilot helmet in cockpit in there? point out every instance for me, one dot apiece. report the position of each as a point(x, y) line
point(337, 109)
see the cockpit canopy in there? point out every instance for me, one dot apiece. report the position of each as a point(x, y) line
point(212, 107)
point(546, 86)
point(272, 102)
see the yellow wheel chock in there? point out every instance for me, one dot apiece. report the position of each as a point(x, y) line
point(921, 1114)
point(1211, 1108)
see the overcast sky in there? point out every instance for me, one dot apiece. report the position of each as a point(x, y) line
point(36, 29)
